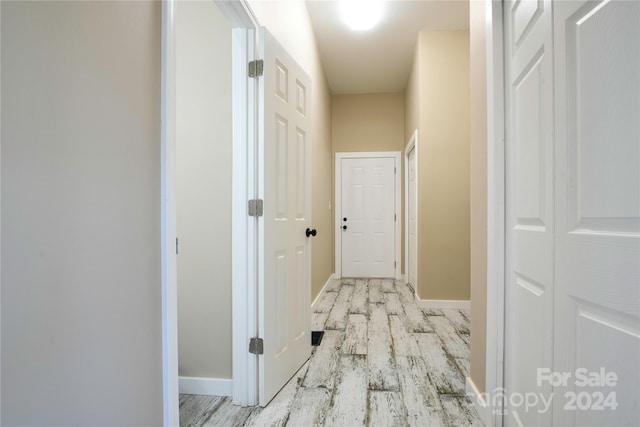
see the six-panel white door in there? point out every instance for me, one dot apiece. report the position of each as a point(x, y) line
point(529, 208)
point(597, 245)
point(284, 295)
point(368, 217)
point(573, 210)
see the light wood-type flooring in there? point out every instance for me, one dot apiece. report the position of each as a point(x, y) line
point(383, 361)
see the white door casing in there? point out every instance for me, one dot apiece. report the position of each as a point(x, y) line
point(412, 273)
point(411, 208)
point(284, 293)
point(168, 233)
point(368, 217)
point(529, 211)
point(495, 210)
point(597, 238)
point(244, 298)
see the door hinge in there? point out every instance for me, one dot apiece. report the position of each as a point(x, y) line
point(176, 246)
point(256, 346)
point(256, 207)
point(395, 264)
point(394, 218)
point(256, 68)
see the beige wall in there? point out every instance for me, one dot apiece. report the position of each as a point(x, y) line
point(81, 296)
point(439, 90)
point(322, 208)
point(288, 21)
point(478, 193)
point(412, 99)
point(203, 162)
point(369, 122)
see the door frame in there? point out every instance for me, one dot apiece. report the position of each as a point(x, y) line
point(496, 225)
point(245, 186)
point(244, 183)
point(169, 277)
point(396, 155)
point(411, 145)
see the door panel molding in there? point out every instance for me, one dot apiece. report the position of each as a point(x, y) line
point(396, 155)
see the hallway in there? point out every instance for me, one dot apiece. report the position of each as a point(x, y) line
point(383, 361)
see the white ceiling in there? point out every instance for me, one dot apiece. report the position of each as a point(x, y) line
point(379, 60)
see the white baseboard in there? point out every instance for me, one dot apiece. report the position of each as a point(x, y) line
point(443, 303)
point(479, 402)
point(206, 386)
point(322, 291)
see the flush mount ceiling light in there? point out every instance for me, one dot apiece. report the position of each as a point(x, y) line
point(361, 15)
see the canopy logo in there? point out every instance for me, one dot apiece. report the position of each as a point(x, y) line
point(586, 391)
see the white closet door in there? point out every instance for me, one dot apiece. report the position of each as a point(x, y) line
point(529, 198)
point(597, 297)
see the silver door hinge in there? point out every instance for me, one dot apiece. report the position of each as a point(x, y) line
point(256, 68)
point(395, 264)
point(176, 246)
point(256, 346)
point(256, 207)
point(394, 218)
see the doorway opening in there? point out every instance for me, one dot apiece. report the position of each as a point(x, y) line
point(411, 211)
point(236, 139)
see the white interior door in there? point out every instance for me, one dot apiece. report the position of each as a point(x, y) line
point(597, 296)
point(284, 296)
point(529, 198)
point(573, 211)
point(368, 217)
point(412, 211)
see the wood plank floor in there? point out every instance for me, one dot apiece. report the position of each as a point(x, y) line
point(383, 361)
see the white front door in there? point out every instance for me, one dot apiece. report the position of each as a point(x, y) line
point(412, 235)
point(284, 295)
point(368, 217)
point(597, 164)
point(529, 194)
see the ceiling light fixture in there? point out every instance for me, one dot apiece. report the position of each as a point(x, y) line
point(361, 15)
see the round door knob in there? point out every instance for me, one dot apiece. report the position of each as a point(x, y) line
point(311, 232)
point(344, 227)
